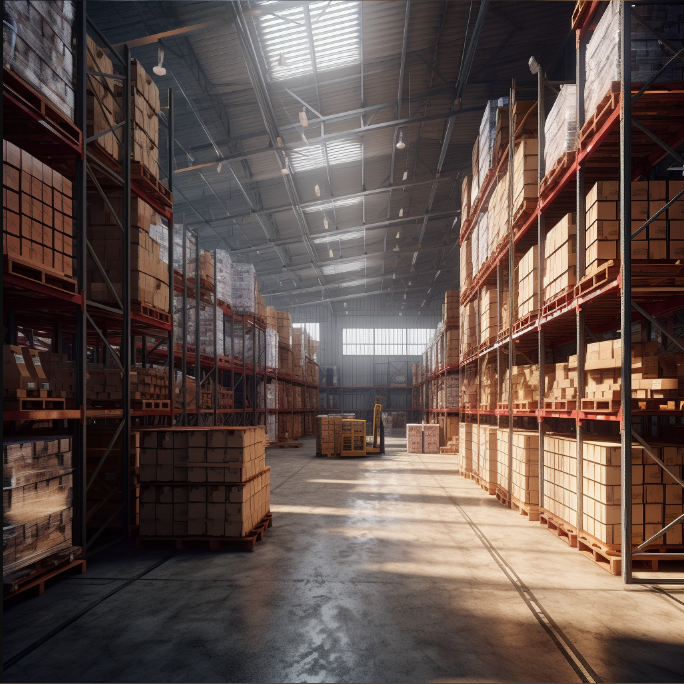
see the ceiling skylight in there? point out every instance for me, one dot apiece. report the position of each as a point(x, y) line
point(345, 267)
point(336, 29)
point(312, 157)
point(327, 206)
point(333, 237)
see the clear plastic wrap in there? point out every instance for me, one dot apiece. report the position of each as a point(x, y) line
point(560, 129)
point(206, 322)
point(487, 138)
point(36, 45)
point(243, 288)
point(647, 55)
point(224, 276)
point(271, 348)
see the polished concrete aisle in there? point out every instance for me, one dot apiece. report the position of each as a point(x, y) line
point(385, 569)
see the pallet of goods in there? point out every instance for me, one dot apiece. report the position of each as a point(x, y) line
point(525, 388)
point(560, 134)
point(328, 436)
point(468, 437)
point(560, 257)
point(525, 476)
point(37, 507)
point(468, 324)
point(423, 438)
point(209, 485)
point(528, 283)
point(450, 312)
point(560, 389)
point(489, 384)
point(488, 460)
point(149, 276)
point(38, 224)
point(525, 164)
point(488, 315)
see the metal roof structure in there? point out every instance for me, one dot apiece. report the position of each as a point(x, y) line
point(353, 215)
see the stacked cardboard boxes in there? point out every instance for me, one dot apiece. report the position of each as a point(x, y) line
point(468, 323)
point(560, 477)
point(470, 387)
point(488, 314)
point(59, 372)
point(488, 461)
point(468, 438)
point(284, 325)
point(561, 385)
point(525, 387)
point(525, 165)
point(423, 438)
point(466, 270)
point(149, 275)
point(528, 282)
point(525, 476)
point(38, 226)
point(498, 214)
point(328, 435)
point(489, 384)
point(465, 198)
point(145, 108)
point(36, 502)
point(664, 237)
point(560, 257)
point(203, 483)
point(602, 224)
point(450, 314)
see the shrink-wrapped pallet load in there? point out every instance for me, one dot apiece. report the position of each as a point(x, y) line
point(244, 288)
point(560, 129)
point(560, 477)
point(525, 165)
point(37, 46)
point(487, 462)
point(528, 282)
point(465, 198)
point(488, 314)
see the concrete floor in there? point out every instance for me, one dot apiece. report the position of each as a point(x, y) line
point(384, 569)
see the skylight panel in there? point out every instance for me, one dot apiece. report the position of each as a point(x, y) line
point(312, 157)
point(336, 31)
point(328, 206)
point(333, 237)
point(346, 267)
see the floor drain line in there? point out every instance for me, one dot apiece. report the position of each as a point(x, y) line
point(60, 628)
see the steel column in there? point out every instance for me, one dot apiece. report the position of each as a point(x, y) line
point(626, 286)
point(198, 358)
point(79, 348)
point(511, 284)
point(216, 341)
point(171, 349)
point(184, 348)
point(541, 236)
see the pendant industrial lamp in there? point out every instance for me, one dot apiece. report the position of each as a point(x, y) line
point(159, 69)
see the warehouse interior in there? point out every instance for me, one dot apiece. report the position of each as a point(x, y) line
point(343, 340)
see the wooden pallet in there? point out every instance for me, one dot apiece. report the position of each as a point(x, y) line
point(605, 273)
point(560, 405)
point(246, 543)
point(657, 404)
point(526, 320)
point(148, 181)
point(32, 393)
point(524, 211)
point(562, 529)
point(530, 510)
point(34, 404)
point(553, 176)
point(151, 312)
point(607, 556)
point(600, 405)
point(525, 405)
point(43, 571)
point(151, 404)
point(39, 273)
point(284, 445)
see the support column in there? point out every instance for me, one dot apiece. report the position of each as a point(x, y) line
point(541, 235)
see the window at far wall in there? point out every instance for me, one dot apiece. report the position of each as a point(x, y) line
point(314, 329)
point(385, 341)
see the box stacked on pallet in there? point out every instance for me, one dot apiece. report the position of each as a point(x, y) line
point(297, 359)
point(59, 372)
point(37, 493)
point(498, 214)
point(525, 387)
point(145, 108)
point(560, 257)
point(284, 328)
point(487, 462)
point(38, 226)
point(432, 438)
point(560, 129)
point(525, 477)
point(489, 384)
point(528, 282)
point(525, 164)
point(104, 104)
point(664, 237)
point(206, 264)
point(601, 499)
point(487, 138)
point(468, 325)
point(207, 337)
point(37, 47)
point(561, 385)
point(272, 349)
point(488, 315)
point(452, 391)
point(602, 224)
point(466, 270)
point(244, 288)
point(475, 182)
point(328, 435)
point(198, 483)
point(482, 240)
point(451, 347)
point(451, 307)
point(647, 54)
point(465, 198)
point(150, 384)
point(271, 318)
point(149, 275)
point(414, 438)
point(468, 439)
point(470, 387)
point(560, 477)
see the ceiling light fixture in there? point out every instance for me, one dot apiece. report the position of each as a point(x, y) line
point(159, 69)
point(429, 290)
point(281, 60)
point(405, 176)
point(285, 170)
point(401, 144)
point(396, 248)
point(326, 223)
point(303, 119)
point(423, 304)
point(398, 235)
point(401, 212)
point(218, 168)
point(404, 295)
point(394, 276)
point(305, 139)
point(401, 314)
point(317, 190)
point(331, 253)
point(409, 282)
point(535, 68)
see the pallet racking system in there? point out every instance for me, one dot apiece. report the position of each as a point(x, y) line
point(626, 136)
point(127, 334)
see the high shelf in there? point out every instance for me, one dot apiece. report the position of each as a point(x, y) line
point(625, 138)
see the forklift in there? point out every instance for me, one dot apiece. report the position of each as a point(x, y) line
point(375, 444)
